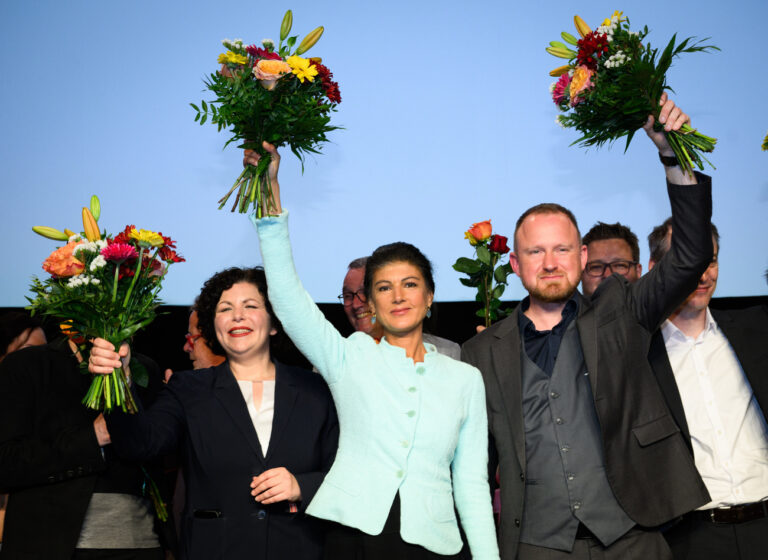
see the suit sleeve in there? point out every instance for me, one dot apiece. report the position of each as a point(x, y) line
point(659, 292)
point(39, 446)
point(309, 482)
point(149, 432)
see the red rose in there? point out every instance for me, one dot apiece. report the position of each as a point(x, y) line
point(498, 244)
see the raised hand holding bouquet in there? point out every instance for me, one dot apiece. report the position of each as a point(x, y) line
point(268, 95)
point(613, 81)
point(486, 273)
point(104, 286)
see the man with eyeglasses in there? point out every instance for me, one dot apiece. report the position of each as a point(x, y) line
point(611, 249)
point(712, 366)
point(359, 314)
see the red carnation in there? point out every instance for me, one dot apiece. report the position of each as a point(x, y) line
point(331, 88)
point(592, 47)
point(258, 53)
point(123, 236)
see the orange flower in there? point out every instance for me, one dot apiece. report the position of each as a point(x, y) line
point(62, 263)
point(581, 80)
point(269, 71)
point(478, 232)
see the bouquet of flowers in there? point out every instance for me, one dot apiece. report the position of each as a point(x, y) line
point(613, 81)
point(104, 286)
point(486, 273)
point(270, 94)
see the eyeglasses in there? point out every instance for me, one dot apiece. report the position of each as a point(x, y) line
point(348, 297)
point(597, 268)
point(192, 338)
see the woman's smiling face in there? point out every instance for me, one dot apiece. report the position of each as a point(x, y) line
point(242, 324)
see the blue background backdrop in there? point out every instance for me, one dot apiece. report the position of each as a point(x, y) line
point(447, 118)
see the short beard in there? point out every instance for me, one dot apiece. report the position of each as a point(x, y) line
point(552, 293)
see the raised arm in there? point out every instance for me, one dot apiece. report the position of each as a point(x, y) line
point(664, 288)
point(302, 320)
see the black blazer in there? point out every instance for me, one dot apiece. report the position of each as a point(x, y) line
point(204, 411)
point(747, 333)
point(650, 472)
point(49, 456)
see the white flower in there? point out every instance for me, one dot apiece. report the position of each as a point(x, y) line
point(97, 263)
point(95, 281)
point(226, 42)
point(559, 122)
point(74, 237)
point(268, 43)
point(570, 72)
point(552, 87)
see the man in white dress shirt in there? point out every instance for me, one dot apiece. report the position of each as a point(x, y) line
point(713, 368)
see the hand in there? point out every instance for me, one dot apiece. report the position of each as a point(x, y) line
point(104, 359)
point(102, 434)
point(480, 328)
point(167, 375)
point(672, 117)
point(251, 157)
point(275, 485)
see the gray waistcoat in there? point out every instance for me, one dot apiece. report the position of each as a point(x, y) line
point(565, 474)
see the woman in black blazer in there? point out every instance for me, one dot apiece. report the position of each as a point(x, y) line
point(248, 417)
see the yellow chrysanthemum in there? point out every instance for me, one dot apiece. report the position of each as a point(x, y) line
point(146, 238)
point(232, 58)
point(302, 68)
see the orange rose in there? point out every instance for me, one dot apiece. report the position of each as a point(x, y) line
point(478, 232)
point(581, 81)
point(62, 263)
point(269, 71)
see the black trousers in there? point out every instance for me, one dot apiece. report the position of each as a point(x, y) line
point(346, 543)
point(696, 538)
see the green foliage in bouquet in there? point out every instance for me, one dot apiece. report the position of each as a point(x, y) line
point(263, 94)
point(614, 81)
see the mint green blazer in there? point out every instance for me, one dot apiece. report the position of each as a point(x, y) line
point(415, 428)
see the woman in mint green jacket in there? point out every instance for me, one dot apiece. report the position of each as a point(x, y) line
point(413, 422)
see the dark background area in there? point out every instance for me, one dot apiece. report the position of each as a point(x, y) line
point(163, 340)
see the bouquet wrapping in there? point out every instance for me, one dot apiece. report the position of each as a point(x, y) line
point(613, 81)
point(486, 271)
point(274, 95)
point(104, 286)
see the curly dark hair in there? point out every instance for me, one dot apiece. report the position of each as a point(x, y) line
point(397, 252)
point(211, 294)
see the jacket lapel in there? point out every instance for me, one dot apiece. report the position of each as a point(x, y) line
point(665, 377)
point(227, 392)
point(505, 354)
point(286, 392)
point(586, 323)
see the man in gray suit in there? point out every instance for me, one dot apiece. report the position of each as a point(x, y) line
point(359, 315)
point(590, 459)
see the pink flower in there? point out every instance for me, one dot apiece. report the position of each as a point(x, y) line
point(119, 252)
point(558, 94)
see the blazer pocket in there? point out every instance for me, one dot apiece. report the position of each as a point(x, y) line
point(654, 431)
point(440, 507)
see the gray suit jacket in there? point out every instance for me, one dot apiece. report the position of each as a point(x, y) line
point(650, 472)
